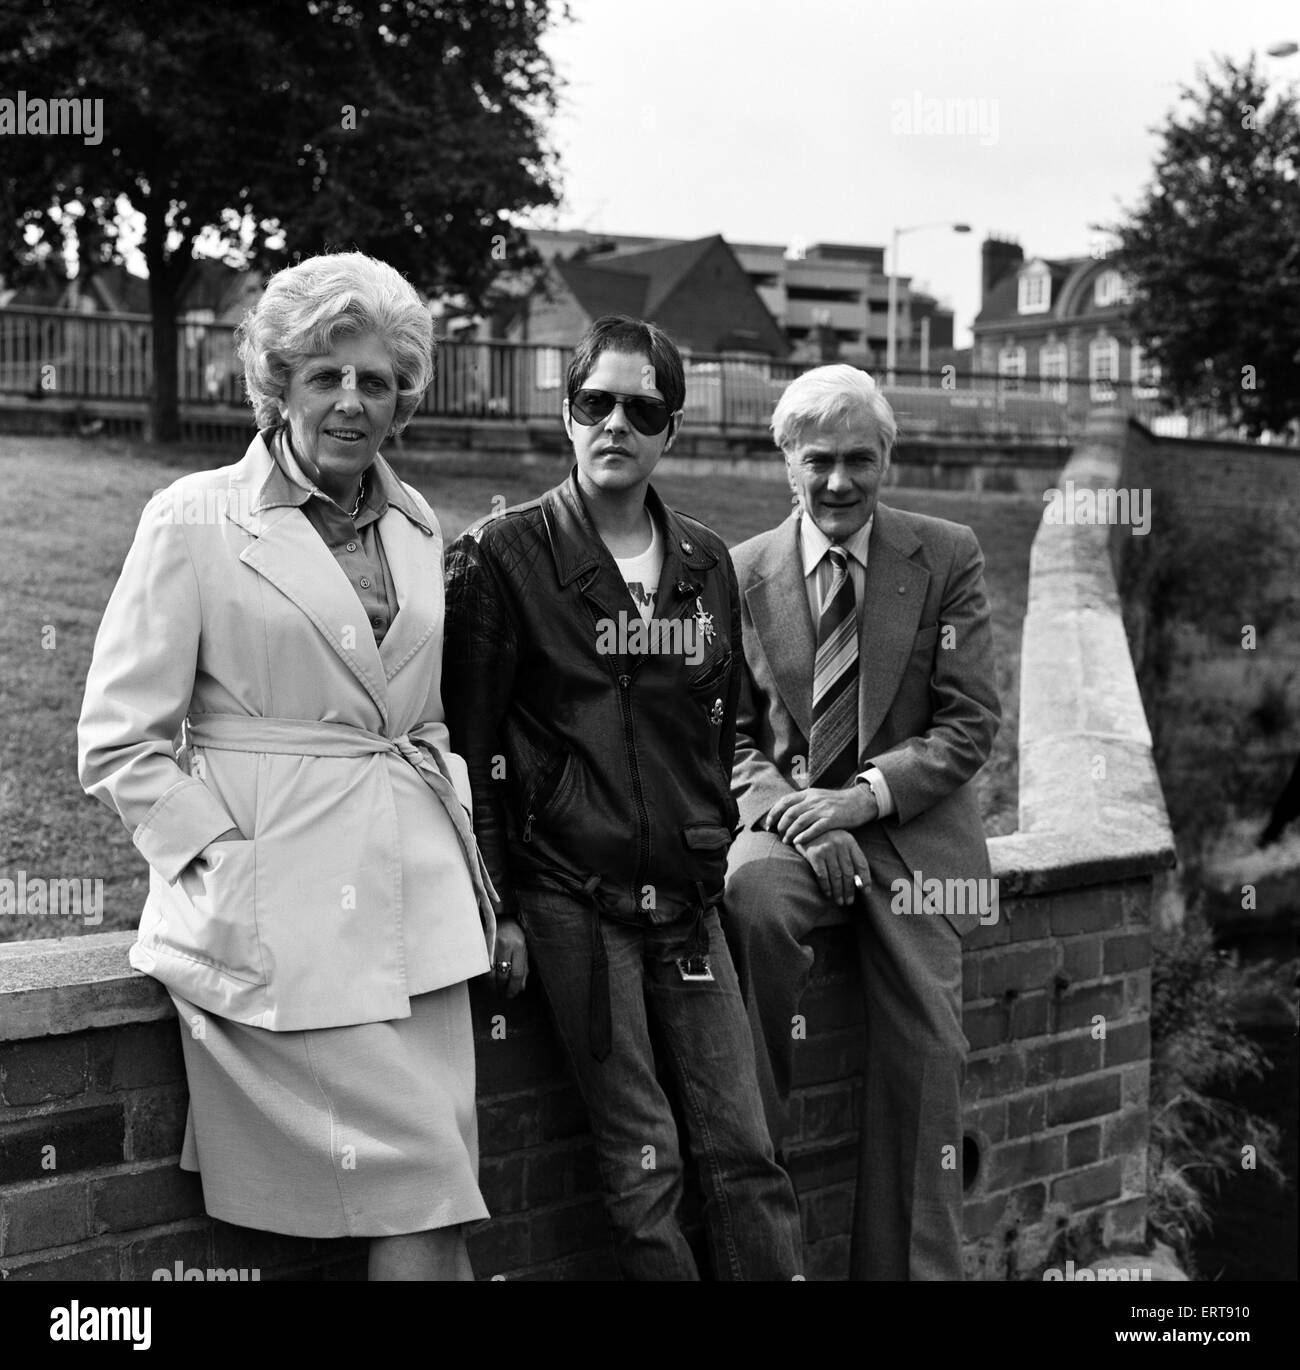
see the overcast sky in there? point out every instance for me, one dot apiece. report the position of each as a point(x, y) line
point(778, 120)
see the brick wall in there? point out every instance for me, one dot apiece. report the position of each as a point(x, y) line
point(1057, 1000)
point(1055, 1116)
point(1198, 481)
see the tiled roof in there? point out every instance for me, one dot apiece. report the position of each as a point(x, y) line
point(672, 284)
point(663, 268)
point(601, 291)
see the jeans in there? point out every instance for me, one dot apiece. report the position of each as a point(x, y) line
point(750, 1212)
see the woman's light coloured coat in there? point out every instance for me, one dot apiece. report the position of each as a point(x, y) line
point(351, 890)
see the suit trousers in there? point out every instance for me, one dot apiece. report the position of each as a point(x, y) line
point(908, 1219)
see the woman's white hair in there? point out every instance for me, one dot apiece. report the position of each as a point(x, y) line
point(307, 308)
point(829, 397)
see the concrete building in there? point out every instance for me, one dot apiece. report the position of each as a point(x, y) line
point(828, 297)
point(834, 297)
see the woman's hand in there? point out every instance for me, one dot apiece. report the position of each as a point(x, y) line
point(510, 964)
point(191, 878)
point(230, 835)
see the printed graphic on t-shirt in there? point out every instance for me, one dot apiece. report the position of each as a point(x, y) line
point(644, 598)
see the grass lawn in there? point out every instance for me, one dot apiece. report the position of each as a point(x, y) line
point(68, 519)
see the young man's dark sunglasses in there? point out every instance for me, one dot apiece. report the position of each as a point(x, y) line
point(646, 414)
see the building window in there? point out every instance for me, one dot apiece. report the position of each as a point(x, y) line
point(1146, 375)
point(828, 294)
point(1053, 367)
point(1103, 368)
point(1011, 367)
point(1035, 291)
point(1110, 288)
point(547, 368)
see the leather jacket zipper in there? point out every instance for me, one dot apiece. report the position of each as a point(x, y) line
point(643, 816)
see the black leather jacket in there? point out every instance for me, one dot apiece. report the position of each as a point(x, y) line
point(586, 763)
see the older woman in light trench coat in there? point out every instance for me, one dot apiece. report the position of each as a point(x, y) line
point(316, 899)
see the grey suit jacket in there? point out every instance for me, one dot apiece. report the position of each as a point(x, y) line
point(927, 702)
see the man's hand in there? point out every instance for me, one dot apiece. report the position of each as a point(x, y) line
point(836, 858)
point(805, 815)
point(512, 950)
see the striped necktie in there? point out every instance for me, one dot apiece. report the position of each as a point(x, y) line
point(833, 745)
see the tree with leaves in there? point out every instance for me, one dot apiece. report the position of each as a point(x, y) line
point(1213, 250)
point(410, 130)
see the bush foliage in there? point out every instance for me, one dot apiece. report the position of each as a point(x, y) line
point(1199, 1051)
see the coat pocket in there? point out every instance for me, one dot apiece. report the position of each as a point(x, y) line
point(705, 857)
point(712, 674)
point(706, 837)
point(548, 792)
point(708, 687)
point(212, 917)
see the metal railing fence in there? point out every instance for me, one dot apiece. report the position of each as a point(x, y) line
point(87, 357)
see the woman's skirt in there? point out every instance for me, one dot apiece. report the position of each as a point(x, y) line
point(363, 1131)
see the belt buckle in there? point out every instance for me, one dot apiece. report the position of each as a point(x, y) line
point(695, 967)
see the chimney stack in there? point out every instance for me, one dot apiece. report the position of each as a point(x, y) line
point(998, 256)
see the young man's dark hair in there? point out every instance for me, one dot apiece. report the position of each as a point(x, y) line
point(619, 333)
point(593, 644)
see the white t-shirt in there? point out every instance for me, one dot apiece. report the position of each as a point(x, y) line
point(642, 573)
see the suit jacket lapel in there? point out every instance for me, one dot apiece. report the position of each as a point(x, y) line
point(893, 596)
point(778, 604)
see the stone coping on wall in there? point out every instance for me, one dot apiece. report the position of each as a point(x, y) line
point(1090, 795)
point(69, 984)
point(58, 985)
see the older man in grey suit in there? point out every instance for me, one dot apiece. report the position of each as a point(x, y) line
point(867, 706)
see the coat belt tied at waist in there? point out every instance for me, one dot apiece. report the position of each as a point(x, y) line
point(304, 737)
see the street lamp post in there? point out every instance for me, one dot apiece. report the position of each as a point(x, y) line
point(891, 335)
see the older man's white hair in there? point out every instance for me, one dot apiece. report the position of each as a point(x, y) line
point(829, 398)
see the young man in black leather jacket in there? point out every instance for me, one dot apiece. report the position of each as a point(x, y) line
point(591, 674)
